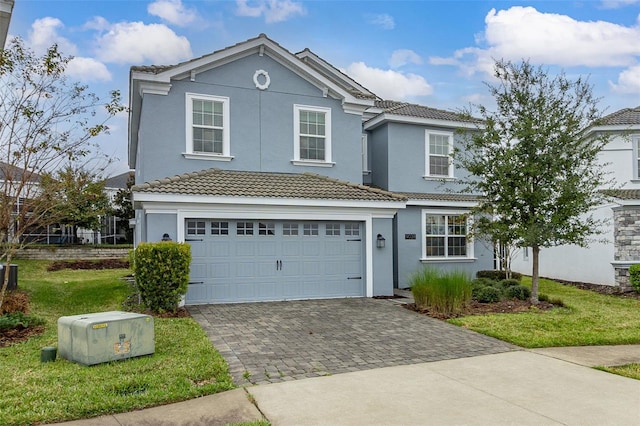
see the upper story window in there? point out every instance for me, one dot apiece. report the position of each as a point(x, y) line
point(312, 136)
point(445, 236)
point(438, 148)
point(365, 155)
point(207, 127)
point(635, 139)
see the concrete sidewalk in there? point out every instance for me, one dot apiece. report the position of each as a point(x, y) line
point(521, 387)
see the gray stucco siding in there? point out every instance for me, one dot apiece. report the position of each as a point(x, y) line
point(158, 224)
point(382, 258)
point(378, 141)
point(407, 157)
point(408, 252)
point(261, 123)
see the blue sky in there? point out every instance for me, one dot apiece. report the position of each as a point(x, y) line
point(436, 53)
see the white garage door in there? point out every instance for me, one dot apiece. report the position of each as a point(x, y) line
point(254, 260)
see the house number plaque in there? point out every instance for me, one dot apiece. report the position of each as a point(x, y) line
point(409, 236)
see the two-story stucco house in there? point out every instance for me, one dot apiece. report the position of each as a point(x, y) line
point(607, 259)
point(290, 180)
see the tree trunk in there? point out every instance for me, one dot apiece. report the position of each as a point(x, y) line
point(535, 276)
point(5, 278)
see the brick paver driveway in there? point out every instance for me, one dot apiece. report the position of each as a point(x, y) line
point(278, 341)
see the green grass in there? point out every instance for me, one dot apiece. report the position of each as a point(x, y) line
point(630, 370)
point(184, 366)
point(588, 319)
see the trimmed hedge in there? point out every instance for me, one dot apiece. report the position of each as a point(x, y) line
point(634, 276)
point(497, 275)
point(161, 272)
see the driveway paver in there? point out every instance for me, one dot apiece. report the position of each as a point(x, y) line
point(280, 341)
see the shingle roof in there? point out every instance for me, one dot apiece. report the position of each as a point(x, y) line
point(11, 172)
point(118, 181)
point(420, 111)
point(622, 117)
point(623, 194)
point(227, 183)
point(441, 196)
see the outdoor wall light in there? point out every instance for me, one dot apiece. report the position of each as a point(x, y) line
point(166, 237)
point(380, 241)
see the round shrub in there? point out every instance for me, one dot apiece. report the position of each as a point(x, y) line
point(509, 283)
point(634, 276)
point(519, 292)
point(488, 295)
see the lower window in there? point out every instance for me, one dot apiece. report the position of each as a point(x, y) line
point(445, 235)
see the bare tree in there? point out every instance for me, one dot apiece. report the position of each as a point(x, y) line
point(46, 121)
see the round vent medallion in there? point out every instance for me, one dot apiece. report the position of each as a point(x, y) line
point(261, 79)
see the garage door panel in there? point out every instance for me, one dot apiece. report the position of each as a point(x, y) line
point(291, 248)
point(197, 293)
point(281, 264)
point(245, 248)
point(246, 269)
point(220, 270)
point(220, 249)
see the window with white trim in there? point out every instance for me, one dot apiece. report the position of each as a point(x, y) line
point(332, 229)
point(207, 126)
point(365, 155)
point(635, 140)
point(196, 227)
point(352, 229)
point(312, 135)
point(310, 229)
point(219, 228)
point(438, 148)
point(266, 228)
point(289, 229)
point(244, 228)
point(445, 235)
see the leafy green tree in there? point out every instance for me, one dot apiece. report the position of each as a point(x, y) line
point(77, 197)
point(535, 162)
point(46, 121)
point(123, 207)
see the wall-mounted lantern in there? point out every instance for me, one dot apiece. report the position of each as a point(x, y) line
point(166, 237)
point(380, 241)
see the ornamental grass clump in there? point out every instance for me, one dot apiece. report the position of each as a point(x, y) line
point(445, 293)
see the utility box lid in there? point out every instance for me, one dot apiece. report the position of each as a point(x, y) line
point(105, 336)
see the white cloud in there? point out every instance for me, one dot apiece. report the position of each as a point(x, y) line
point(551, 39)
point(389, 84)
point(404, 56)
point(138, 43)
point(272, 10)
point(384, 21)
point(88, 69)
point(172, 11)
point(615, 4)
point(44, 33)
point(628, 81)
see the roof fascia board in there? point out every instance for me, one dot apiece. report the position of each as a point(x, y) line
point(309, 55)
point(143, 197)
point(441, 203)
point(383, 118)
point(615, 128)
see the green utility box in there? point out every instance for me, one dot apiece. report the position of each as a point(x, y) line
point(105, 336)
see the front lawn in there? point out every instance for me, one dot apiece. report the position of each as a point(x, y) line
point(185, 364)
point(588, 319)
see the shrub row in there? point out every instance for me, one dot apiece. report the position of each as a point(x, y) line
point(497, 275)
point(485, 290)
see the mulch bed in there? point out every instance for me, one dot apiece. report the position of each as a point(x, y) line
point(477, 308)
point(88, 264)
point(12, 336)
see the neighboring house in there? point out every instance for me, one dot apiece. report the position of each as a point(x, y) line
point(606, 261)
point(290, 180)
